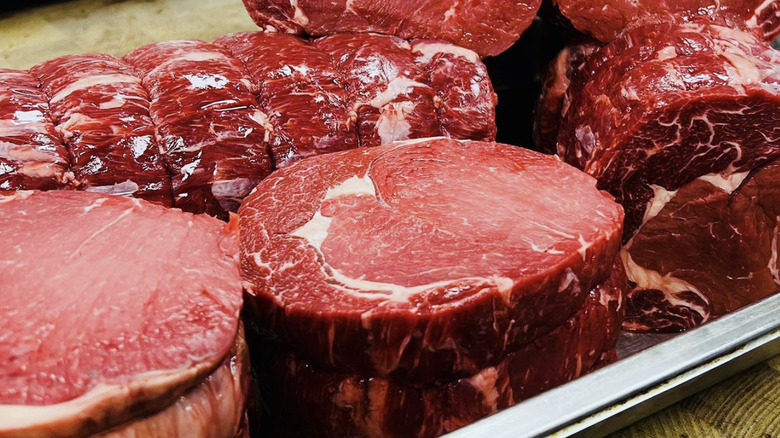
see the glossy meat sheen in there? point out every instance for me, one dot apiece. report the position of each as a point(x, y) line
point(215, 408)
point(387, 88)
point(102, 112)
point(678, 115)
point(301, 91)
point(32, 154)
point(330, 404)
point(209, 123)
point(605, 20)
point(487, 27)
point(96, 338)
point(552, 102)
point(427, 259)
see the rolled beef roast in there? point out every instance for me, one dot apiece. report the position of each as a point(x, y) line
point(488, 26)
point(198, 125)
point(681, 123)
point(121, 318)
point(423, 279)
point(606, 20)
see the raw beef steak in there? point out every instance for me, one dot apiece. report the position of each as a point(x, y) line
point(605, 20)
point(488, 27)
point(331, 404)
point(426, 260)
point(32, 154)
point(102, 112)
point(680, 123)
point(208, 121)
point(114, 308)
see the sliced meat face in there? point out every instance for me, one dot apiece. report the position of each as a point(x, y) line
point(388, 89)
point(209, 124)
point(300, 90)
point(672, 119)
point(102, 113)
point(32, 154)
point(605, 20)
point(487, 27)
point(425, 260)
point(90, 340)
point(337, 404)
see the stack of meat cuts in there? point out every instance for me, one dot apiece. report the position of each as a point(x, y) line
point(413, 288)
point(681, 123)
point(198, 125)
point(120, 319)
point(488, 26)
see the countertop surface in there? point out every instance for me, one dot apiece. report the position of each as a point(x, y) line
point(746, 405)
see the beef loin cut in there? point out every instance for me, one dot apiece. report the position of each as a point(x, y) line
point(32, 154)
point(94, 341)
point(681, 123)
point(209, 122)
point(198, 125)
point(102, 112)
point(330, 404)
point(426, 260)
point(487, 27)
point(605, 20)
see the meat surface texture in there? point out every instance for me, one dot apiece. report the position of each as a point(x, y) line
point(102, 112)
point(605, 20)
point(32, 154)
point(425, 261)
point(110, 320)
point(681, 123)
point(487, 27)
point(210, 125)
point(330, 404)
point(552, 102)
point(198, 125)
point(215, 408)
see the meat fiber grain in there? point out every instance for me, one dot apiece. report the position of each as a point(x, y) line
point(425, 260)
point(681, 122)
point(487, 27)
point(113, 308)
point(32, 154)
point(331, 404)
point(605, 20)
point(212, 131)
point(102, 112)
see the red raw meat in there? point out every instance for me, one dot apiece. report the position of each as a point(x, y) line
point(113, 308)
point(212, 131)
point(680, 122)
point(102, 112)
point(32, 154)
point(486, 26)
point(425, 260)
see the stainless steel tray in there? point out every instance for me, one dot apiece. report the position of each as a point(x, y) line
point(654, 372)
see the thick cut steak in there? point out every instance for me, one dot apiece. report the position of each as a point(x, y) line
point(605, 20)
point(32, 154)
point(487, 27)
point(677, 121)
point(424, 260)
point(208, 121)
point(113, 308)
point(102, 112)
point(331, 404)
